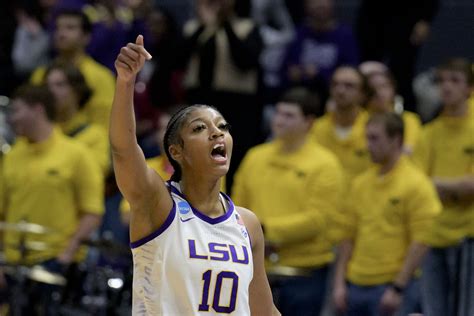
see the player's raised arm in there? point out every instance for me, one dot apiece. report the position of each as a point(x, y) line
point(141, 186)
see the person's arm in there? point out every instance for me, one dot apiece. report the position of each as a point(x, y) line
point(323, 192)
point(261, 302)
point(276, 26)
point(141, 186)
point(392, 297)
point(339, 294)
point(422, 207)
point(457, 190)
point(87, 225)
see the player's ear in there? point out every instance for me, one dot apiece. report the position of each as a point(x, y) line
point(176, 152)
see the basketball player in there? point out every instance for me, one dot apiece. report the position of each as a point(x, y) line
point(194, 252)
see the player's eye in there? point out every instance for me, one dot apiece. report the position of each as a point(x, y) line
point(224, 127)
point(199, 128)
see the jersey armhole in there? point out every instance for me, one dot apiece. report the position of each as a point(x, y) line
point(159, 231)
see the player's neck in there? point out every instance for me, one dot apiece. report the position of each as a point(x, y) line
point(204, 196)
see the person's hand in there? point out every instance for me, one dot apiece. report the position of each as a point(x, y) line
point(390, 302)
point(339, 298)
point(32, 25)
point(420, 33)
point(131, 59)
point(65, 258)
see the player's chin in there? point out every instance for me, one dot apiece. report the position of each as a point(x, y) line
point(221, 169)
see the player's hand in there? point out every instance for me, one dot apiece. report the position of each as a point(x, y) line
point(390, 302)
point(131, 59)
point(339, 298)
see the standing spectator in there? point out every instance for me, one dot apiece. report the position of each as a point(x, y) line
point(71, 36)
point(31, 47)
point(384, 99)
point(392, 32)
point(321, 45)
point(277, 30)
point(446, 154)
point(71, 93)
point(343, 131)
point(223, 51)
point(387, 219)
point(294, 186)
point(52, 181)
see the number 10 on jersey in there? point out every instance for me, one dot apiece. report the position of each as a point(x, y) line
point(220, 278)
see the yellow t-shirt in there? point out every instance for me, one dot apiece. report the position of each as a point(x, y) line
point(92, 136)
point(384, 215)
point(294, 195)
point(412, 124)
point(51, 184)
point(351, 151)
point(100, 80)
point(446, 151)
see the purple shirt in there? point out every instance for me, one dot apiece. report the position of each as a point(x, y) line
point(325, 50)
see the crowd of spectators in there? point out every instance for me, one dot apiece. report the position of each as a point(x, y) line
point(326, 132)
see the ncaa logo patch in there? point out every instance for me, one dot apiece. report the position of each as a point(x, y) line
point(183, 207)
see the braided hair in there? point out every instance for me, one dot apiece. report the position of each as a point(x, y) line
point(172, 135)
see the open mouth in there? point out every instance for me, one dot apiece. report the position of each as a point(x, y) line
point(219, 153)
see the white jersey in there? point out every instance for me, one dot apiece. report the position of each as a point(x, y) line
point(193, 264)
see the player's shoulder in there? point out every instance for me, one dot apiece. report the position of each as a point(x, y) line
point(249, 217)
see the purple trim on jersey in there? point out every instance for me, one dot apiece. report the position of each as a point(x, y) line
point(175, 190)
point(202, 216)
point(157, 232)
point(215, 220)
